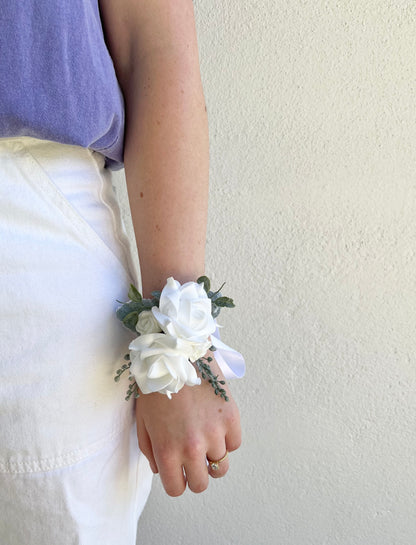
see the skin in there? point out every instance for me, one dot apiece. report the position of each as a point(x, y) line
point(153, 45)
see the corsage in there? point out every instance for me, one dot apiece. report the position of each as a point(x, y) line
point(176, 328)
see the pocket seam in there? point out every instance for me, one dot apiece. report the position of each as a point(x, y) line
point(36, 465)
point(52, 193)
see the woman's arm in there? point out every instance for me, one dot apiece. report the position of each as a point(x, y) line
point(154, 48)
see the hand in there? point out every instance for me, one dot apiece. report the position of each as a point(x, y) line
point(177, 435)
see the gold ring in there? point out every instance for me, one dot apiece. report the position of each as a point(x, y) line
point(215, 464)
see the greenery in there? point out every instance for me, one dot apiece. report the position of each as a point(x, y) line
point(207, 374)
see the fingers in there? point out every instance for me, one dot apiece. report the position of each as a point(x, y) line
point(218, 460)
point(171, 474)
point(190, 466)
point(233, 434)
point(233, 439)
point(194, 471)
point(145, 445)
point(193, 467)
point(189, 469)
point(197, 474)
point(218, 464)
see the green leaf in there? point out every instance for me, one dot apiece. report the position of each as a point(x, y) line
point(215, 294)
point(134, 294)
point(206, 281)
point(215, 311)
point(224, 302)
point(156, 294)
point(130, 320)
point(127, 308)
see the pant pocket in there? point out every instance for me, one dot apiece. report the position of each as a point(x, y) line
point(60, 341)
point(74, 182)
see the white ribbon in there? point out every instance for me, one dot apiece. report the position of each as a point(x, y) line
point(230, 361)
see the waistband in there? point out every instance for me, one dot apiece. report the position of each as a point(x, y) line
point(49, 149)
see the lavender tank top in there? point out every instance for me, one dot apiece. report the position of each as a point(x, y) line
point(57, 79)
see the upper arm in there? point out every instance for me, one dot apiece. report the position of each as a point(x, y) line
point(136, 28)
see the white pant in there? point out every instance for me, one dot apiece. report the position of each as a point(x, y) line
point(70, 468)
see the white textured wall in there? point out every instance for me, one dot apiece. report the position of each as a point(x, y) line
point(312, 109)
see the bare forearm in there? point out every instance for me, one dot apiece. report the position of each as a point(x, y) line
point(166, 164)
point(153, 45)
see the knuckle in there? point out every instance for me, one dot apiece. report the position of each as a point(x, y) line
point(164, 456)
point(233, 417)
point(193, 449)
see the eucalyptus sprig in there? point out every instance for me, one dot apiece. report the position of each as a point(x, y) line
point(129, 312)
point(218, 301)
point(133, 389)
point(207, 374)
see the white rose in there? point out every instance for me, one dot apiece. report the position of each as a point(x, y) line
point(185, 311)
point(147, 323)
point(160, 363)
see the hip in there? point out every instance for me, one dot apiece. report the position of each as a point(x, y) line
point(65, 263)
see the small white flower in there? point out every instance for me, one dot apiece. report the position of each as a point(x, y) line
point(199, 350)
point(160, 363)
point(147, 323)
point(185, 311)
